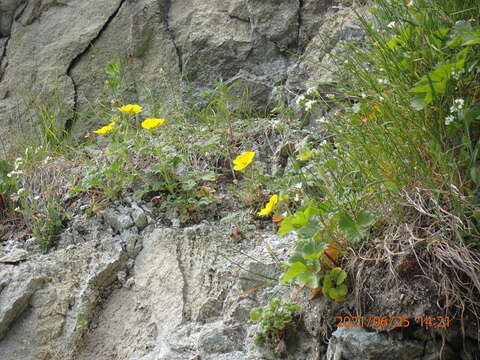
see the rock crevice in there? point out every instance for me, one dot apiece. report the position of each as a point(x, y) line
point(76, 60)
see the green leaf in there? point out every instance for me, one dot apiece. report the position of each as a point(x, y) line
point(291, 223)
point(394, 43)
point(309, 279)
point(364, 219)
point(295, 270)
point(419, 101)
point(338, 275)
point(312, 249)
point(339, 293)
point(472, 113)
point(355, 230)
point(256, 314)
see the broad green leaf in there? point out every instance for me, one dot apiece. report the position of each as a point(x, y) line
point(419, 101)
point(339, 293)
point(291, 223)
point(312, 249)
point(297, 257)
point(293, 271)
point(286, 226)
point(338, 275)
point(364, 219)
point(355, 230)
point(309, 279)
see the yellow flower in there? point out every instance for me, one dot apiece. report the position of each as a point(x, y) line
point(242, 161)
point(152, 123)
point(106, 129)
point(270, 206)
point(131, 109)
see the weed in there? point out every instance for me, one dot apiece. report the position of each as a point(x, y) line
point(275, 320)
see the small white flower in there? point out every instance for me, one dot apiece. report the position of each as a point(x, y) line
point(457, 105)
point(330, 96)
point(322, 120)
point(391, 25)
point(300, 100)
point(22, 192)
point(382, 81)
point(363, 95)
point(309, 104)
point(459, 102)
point(449, 119)
point(410, 3)
point(298, 186)
point(312, 91)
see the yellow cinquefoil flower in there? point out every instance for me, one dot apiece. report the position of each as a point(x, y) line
point(130, 109)
point(270, 206)
point(106, 129)
point(152, 123)
point(242, 161)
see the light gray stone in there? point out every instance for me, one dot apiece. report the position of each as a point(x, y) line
point(14, 300)
point(15, 256)
point(357, 343)
point(117, 220)
point(65, 45)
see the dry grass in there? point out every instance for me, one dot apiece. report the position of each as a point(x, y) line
point(424, 260)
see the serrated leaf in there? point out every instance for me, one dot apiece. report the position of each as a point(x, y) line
point(294, 271)
point(313, 249)
point(309, 279)
point(355, 230)
point(365, 219)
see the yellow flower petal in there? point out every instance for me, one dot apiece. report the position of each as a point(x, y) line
point(130, 109)
point(269, 206)
point(152, 123)
point(105, 130)
point(242, 161)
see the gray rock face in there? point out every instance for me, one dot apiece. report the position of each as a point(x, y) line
point(358, 343)
point(63, 47)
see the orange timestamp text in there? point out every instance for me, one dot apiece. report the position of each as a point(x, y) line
point(393, 321)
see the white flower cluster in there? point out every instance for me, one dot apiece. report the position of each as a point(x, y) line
point(458, 105)
point(301, 100)
point(304, 101)
point(16, 168)
point(309, 105)
point(312, 92)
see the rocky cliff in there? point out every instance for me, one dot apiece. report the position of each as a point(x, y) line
point(128, 284)
point(66, 44)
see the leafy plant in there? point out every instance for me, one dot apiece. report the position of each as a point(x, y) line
point(7, 186)
point(49, 226)
point(276, 319)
